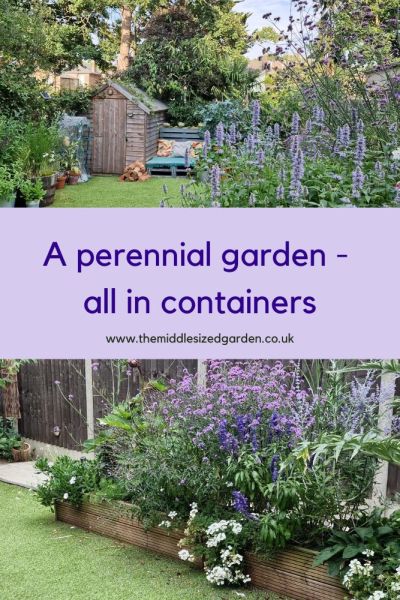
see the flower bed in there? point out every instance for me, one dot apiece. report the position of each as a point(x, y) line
point(254, 462)
point(290, 573)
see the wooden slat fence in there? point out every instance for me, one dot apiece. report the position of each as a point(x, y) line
point(53, 394)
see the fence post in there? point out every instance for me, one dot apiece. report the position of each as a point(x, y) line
point(388, 388)
point(201, 373)
point(89, 398)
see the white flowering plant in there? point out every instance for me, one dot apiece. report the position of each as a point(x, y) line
point(363, 583)
point(67, 480)
point(220, 543)
point(374, 536)
point(367, 557)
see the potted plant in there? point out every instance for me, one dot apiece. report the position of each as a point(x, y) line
point(61, 180)
point(48, 176)
point(43, 142)
point(7, 189)
point(74, 175)
point(21, 451)
point(70, 152)
point(11, 445)
point(32, 192)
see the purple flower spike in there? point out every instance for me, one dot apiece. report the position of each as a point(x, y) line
point(256, 114)
point(275, 468)
point(360, 126)
point(361, 147)
point(296, 188)
point(379, 169)
point(280, 192)
point(295, 123)
point(220, 134)
point(241, 503)
point(344, 135)
point(261, 158)
point(358, 181)
point(215, 182)
point(251, 144)
point(233, 134)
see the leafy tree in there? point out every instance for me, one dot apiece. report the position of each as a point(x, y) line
point(191, 53)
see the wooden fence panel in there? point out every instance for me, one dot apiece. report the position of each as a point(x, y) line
point(53, 395)
point(112, 384)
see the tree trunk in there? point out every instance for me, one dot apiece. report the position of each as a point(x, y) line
point(126, 39)
point(11, 404)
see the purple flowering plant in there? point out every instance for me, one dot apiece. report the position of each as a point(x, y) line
point(232, 445)
point(310, 165)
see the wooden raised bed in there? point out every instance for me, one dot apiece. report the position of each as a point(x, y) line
point(289, 573)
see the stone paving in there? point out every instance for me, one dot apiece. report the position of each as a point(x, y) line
point(23, 474)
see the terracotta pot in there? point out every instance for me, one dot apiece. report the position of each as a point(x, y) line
point(61, 181)
point(22, 454)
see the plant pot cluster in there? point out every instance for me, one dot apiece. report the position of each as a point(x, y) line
point(46, 163)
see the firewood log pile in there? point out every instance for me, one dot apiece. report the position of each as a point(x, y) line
point(136, 171)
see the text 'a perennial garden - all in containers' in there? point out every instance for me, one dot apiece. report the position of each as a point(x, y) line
point(263, 475)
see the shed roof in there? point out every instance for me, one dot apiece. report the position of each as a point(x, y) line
point(135, 94)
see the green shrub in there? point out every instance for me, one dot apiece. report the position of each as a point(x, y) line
point(69, 480)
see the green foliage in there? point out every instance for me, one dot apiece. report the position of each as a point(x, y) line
point(372, 443)
point(71, 102)
point(9, 438)
point(375, 532)
point(42, 141)
point(68, 479)
point(188, 61)
point(31, 189)
point(226, 112)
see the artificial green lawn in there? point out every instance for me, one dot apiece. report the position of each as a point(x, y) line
point(41, 559)
point(110, 192)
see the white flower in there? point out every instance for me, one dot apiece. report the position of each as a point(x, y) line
point(395, 586)
point(377, 596)
point(65, 496)
point(369, 552)
point(214, 541)
point(165, 524)
point(72, 481)
point(172, 514)
point(193, 512)
point(396, 154)
point(185, 555)
point(236, 527)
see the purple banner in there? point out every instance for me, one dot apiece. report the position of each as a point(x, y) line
point(160, 283)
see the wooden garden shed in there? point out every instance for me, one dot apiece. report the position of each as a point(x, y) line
point(126, 124)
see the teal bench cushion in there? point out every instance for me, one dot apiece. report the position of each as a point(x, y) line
point(161, 162)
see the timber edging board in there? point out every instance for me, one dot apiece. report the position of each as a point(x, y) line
point(289, 573)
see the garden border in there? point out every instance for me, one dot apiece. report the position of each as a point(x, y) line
point(290, 573)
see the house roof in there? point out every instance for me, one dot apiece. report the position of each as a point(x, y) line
point(135, 94)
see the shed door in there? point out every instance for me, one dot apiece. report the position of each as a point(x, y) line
point(109, 133)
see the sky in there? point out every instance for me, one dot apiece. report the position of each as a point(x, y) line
point(258, 8)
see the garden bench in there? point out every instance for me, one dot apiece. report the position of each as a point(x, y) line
point(173, 165)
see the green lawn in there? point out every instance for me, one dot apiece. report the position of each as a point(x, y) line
point(109, 192)
point(41, 559)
